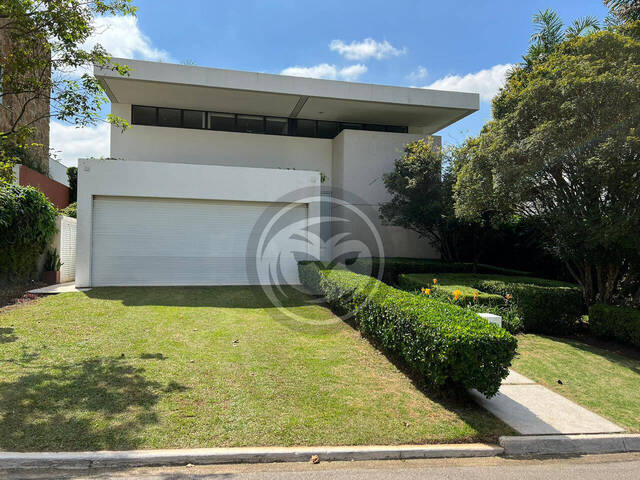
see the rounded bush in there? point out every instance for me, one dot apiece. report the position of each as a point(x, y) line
point(27, 225)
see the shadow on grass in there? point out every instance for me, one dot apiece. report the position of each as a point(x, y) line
point(97, 404)
point(221, 296)
point(7, 335)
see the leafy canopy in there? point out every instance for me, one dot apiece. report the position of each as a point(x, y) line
point(564, 148)
point(48, 60)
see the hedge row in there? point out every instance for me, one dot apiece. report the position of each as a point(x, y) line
point(543, 306)
point(413, 282)
point(27, 225)
point(443, 343)
point(393, 267)
point(613, 322)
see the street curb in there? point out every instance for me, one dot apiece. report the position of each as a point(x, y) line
point(204, 456)
point(570, 444)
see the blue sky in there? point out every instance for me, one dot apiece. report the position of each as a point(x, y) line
point(457, 45)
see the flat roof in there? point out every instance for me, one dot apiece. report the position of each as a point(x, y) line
point(214, 89)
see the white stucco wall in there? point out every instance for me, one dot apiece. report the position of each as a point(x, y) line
point(180, 181)
point(208, 147)
point(360, 159)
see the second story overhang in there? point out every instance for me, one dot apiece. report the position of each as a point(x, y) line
point(219, 90)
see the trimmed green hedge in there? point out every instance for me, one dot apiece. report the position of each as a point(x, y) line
point(544, 306)
point(416, 281)
point(445, 344)
point(395, 266)
point(613, 322)
point(27, 225)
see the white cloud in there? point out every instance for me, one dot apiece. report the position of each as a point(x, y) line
point(485, 82)
point(367, 48)
point(324, 70)
point(353, 72)
point(70, 142)
point(121, 37)
point(419, 74)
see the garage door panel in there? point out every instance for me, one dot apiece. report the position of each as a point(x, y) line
point(148, 241)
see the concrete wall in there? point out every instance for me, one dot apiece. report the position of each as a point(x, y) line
point(360, 159)
point(208, 147)
point(173, 180)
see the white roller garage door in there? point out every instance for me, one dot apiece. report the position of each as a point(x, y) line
point(153, 241)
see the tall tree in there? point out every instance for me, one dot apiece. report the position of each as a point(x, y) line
point(48, 61)
point(564, 149)
point(622, 11)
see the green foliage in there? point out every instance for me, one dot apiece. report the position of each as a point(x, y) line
point(543, 306)
point(72, 176)
point(394, 266)
point(444, 344)
point(564, 149)
point(48, 42)
point(622, 11)
point(70, 210)
point(443, 290)
point(27, 225)
point(52, 263)
point(614, 322)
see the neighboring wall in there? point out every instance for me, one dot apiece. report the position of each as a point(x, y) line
point(57, 193)
point(35, 111)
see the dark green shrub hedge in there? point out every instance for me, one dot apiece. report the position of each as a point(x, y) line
point(27, 225)
point(613, 322)
point(70, 210)
point(543, 306)
point(414, 282)
point(398, 265)
point(445, 344)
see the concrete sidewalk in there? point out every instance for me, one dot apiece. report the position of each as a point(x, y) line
point(532, 409)
point(58, 288)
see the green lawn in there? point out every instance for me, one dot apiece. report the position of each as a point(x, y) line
point(122, 368)
point(600, 380)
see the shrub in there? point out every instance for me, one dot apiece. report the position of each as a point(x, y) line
point(614, 322)
point(444, 344)
point(27, 225)
point(396, 266)
point(543, 306)
point(70, 210)
point(444, 290)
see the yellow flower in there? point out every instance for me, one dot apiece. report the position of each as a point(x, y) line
point(427, 291)
point(508, 296)
point(456, 295)
point(475, 296)
point(435, 280)
point(422, 289)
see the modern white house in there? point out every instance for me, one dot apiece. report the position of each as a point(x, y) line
point(210, 152)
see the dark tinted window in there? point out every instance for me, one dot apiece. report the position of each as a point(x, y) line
point(376, 128)
point(143, 115)
point(250, 124)
point(277, 126)
point(328, 129)
point(192, 119)
point(168, 117)
point(352, 126)
point(396, 129)
point(222, 121)
point(306, 128)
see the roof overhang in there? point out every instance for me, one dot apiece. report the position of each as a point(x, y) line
point(214, 89)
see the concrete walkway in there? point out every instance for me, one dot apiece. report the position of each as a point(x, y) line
point(532, 409)
point(58, 288)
